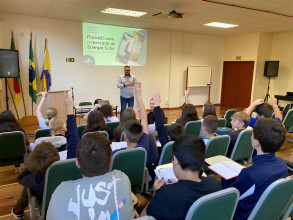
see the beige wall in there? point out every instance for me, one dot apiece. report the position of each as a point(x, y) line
point(282, 50)
point(169, 54)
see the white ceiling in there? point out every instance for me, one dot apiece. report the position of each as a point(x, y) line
point(196, 13)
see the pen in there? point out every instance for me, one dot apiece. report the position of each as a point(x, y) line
point(169, 181)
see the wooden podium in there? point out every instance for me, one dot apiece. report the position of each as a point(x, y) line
point(55, 99)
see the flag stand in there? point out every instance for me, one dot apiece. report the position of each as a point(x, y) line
point(13, 102)
point(7, 106)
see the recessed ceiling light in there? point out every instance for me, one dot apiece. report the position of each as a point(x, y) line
point(117, 11)
point(221, 25)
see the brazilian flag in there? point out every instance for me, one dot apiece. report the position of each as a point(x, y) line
point(32, 75)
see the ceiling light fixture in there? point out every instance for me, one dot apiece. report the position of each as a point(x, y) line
point(117, 11)
point(221, 25)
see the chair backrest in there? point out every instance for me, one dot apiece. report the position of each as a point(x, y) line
point(288, 120)
point(80, 129)
point(228, 116)
point(105, 133)
point(112, 125)
point(274, 201)
point(217, 146)
point(13, 148)
point(243, 149)
point(132, 162)
point(57, 173)
point(222, 122)
point(166, 154)
point(122, 136)
point(85, 103)
point(220, 205)
point(42, 133)
point(286, 109)
point(193, 127)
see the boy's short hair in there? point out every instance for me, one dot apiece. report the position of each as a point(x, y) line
point(242, 117)
point(175, 131)
point(270, 133)
point(190, 152)
point(133, 130)
point(211, 123)
point(43, 155)
point(264, 109)
point(94, 154)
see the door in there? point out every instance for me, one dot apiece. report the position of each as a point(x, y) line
point(237, 83)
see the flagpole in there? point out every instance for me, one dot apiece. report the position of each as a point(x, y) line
point(13, 101)
point(20, 83)
point(32, 98)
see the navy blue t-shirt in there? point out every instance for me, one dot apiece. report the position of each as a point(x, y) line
point(174, 200)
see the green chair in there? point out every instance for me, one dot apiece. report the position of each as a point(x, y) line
point(286, 109)
point(13, 148)
point(122, 137)
point(132, 162)
point(222, 122)
point(228, 116)
point(275, 202)
point(243, 149)
point(166, 154)
point(80, 129)
point(217, 146)
point(220, 205)
point(112, 125)
point(42, 133)
point(193, 127)
point(288, 120)
point(101, 132)
point(57, 173)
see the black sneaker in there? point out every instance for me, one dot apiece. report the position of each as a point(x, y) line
point(19, 215)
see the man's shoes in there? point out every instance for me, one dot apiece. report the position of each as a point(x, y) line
point(17, 214)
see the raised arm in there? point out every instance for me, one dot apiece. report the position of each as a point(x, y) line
point(159, 119)
point(186, 95)
point(40, 106)
point(137, 90)
point(71, 135)
point(278, 114)
point(135, 108)
point(249, 110)
point(87, 114)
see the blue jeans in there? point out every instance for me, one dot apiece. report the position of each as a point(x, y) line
point(124, 102)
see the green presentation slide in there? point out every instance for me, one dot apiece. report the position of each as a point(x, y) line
point(113, 45)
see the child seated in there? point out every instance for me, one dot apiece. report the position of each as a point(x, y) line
point(240, 121)
point(209, 127)
point(33, 177)
point(107, 111)
point(174, 131)
point(128, 114)
point(267, 138)
point(264, 110)
point(96, 122)
point(172, 201)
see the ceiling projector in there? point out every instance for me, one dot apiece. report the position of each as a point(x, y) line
point(174, 14)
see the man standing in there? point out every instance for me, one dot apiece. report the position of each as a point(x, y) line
point(126, 83)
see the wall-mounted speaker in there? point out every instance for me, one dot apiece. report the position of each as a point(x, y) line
point(9, 63)
point(271, 68)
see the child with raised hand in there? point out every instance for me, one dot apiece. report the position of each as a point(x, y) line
point(33, 177)
point(50, 113)
point(264, 110)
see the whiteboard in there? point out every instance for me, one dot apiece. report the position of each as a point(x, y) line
point(198, 76)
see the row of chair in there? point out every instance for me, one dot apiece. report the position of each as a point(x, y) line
point(275, 203)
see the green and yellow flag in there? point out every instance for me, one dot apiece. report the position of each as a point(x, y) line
point(32, 75)
point(14, 83)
